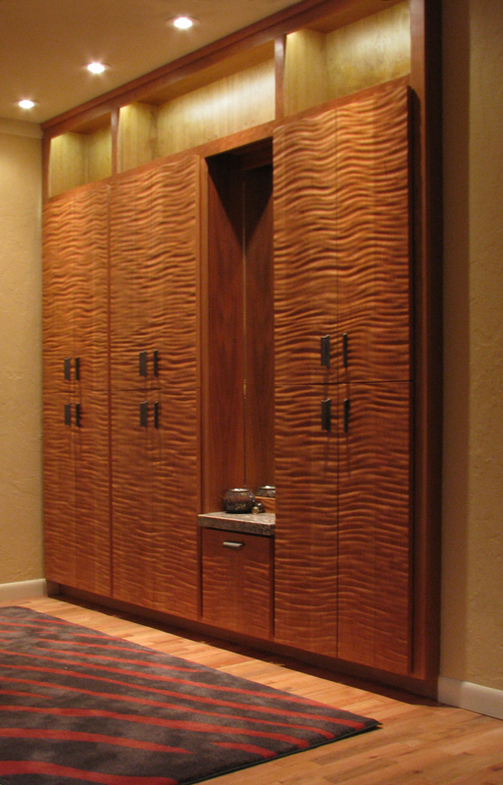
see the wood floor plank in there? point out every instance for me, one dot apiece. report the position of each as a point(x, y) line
point(420, 742)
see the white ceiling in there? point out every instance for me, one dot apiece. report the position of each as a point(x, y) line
point(46, 44)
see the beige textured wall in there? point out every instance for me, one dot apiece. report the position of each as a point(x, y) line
point(472, 606)
point(20, 353)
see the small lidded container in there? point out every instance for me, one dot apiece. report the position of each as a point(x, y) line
point(239, 500)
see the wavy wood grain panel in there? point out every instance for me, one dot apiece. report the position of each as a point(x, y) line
point(237, 583)
point(75, 299)
point(155, 502)
point(306, 521)
point(154, 253)
point(77, 493)
point(374, 607)
point(305, 247)
point(92, 495)
point(373, 233)
point(59, 491)
point(58, 292)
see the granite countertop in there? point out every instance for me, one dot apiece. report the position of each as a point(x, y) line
point(246, 522)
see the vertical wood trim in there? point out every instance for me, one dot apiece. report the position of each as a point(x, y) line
point(279, 59)
point(426, 85)
point(114, 124)
point(46, 155)
point(204, 339)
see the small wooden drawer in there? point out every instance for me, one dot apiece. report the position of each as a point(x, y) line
point(237, 581)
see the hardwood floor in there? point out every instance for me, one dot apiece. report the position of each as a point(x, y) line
point(420, 742)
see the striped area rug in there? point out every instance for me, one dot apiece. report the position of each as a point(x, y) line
point(78, 706)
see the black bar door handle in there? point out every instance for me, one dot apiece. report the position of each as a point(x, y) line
point(78, 415)
point(68, 413)
point(142, 357)
point(346, 415)
point(144, 414)
point(326, 414)
point(77, 368)
point(325, 350)
point(345, 349)
point(67, 369)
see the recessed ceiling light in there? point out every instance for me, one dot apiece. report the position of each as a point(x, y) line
point(96, 68)
point(26, 103)
point(183, 22)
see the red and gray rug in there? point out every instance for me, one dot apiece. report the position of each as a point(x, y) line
point(78, 706)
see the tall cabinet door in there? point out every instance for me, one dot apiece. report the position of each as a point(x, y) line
point(75, 345)
point(305, 291)
point(154, 393)
point(375, 454)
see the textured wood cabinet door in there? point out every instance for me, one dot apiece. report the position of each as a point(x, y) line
point(76, 491)
point(306, 520)
point(237, 581)
point(75, 288)
point(154, 256)
point(75, 336)
point(375, 540)
point(155, 500)
point(305, 282)
point(373, 235)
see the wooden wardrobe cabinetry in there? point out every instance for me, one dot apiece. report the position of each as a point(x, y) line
point(342, 271)
point(142, 234)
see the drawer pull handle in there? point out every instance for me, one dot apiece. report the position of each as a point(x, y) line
point(67, 368)
point(234, 545)
point(345, 349)
point(325, 351)
point(142, 357)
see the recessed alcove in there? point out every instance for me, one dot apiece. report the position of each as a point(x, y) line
point(238, 358)
point(80, 156)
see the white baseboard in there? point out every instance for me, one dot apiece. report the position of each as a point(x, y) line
point(24, 590)
point(474, 697)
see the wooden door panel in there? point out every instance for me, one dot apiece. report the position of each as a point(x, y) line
point(58, 291)
point(305, 251)
point(237, 582)
point(90, 279)
point(60, 533)
point(373, 234)
point(92, 494)
point(76, 491)
point(306, 521)
point(75, 293)
point(154, 251)
point(374, 608)
point(155, 502)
